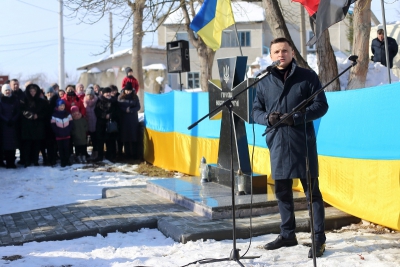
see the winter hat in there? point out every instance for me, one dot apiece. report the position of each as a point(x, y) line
point(106, 90)
point(127, 70)
point(49, 90)
point(74, 109)
point(4, 88)
point(89, 91)
point(128, 86)
point(60, 102)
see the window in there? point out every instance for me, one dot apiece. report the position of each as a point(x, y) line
point(184, 36)
point(310, 35)
point(193, 80)
point(229, 38)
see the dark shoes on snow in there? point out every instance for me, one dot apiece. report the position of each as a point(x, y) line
point(319, 249)
point(281, 242)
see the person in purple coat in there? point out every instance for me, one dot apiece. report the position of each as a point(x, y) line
point(9, 114)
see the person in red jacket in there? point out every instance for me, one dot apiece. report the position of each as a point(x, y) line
point(71, 99)
point(129, 78)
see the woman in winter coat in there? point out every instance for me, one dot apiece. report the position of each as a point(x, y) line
point(129, 106)
point(106, 110)
point(33, 111)
point(89, 103)
point(71, 99)
point(9, 114)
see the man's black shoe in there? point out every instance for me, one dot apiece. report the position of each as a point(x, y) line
point(319, 248)
point(281, 242)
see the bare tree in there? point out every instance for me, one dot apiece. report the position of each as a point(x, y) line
point(362, 28)
point(327, 65)
point(278, 27)
point(135, 12)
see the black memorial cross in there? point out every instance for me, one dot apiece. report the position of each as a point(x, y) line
point(232, 73)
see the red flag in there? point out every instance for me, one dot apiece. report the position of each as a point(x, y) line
point(310, 5)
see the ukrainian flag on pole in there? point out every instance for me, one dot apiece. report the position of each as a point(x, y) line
point(214, 16)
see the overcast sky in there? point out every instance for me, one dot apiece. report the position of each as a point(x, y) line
point(29, 37)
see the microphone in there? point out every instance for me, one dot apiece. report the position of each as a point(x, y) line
point(274, 64)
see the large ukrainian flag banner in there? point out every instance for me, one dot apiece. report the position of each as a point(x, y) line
point(358, 144)
point(214, 16)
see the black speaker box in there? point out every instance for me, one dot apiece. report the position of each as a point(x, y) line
point(178, 56)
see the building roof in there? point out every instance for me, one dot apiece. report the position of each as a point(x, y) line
point(119, 54)
point(242, 12)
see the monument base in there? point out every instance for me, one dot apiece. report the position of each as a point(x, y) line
point(222, 176)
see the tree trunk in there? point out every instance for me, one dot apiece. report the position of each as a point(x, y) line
point(137, 38)
point(327, 65)
point(206, 57)
point(361, 46)
point(278, 27)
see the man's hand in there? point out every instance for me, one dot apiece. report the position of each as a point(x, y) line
point(289, 121)
point(274, 117)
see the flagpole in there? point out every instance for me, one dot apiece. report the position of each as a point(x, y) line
point(386, 41)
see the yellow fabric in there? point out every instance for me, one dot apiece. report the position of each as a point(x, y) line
point(368, 189)
point(212, 32)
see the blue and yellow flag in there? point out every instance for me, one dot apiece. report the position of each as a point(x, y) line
point(214, 16)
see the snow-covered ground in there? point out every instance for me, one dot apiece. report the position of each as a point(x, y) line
point(39, 187)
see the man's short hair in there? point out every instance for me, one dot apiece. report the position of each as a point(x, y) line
point(14, 80)
point(380, 31)
point(281, 40)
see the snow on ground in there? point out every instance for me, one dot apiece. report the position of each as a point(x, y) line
point(39, 187)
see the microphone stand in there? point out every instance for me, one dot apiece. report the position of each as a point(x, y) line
point(299, 107)
point(234, 256)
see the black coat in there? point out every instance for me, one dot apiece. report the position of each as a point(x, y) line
point(103, 107)
point(287, 143)
point(51, 106)
point(129, 121)
point(33, 129)
point(378, 50)
point(9, 114)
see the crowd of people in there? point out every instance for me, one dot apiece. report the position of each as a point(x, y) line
point(60, 124)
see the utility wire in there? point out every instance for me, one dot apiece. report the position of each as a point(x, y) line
point(37, 6)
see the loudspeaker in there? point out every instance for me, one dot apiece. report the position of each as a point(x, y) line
point(178, 56)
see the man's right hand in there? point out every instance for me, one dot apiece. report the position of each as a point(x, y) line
point(274, 117)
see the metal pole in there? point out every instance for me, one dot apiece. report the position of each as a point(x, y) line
point(386, 42)
point(111, 36)
point(61, 71)
point(303, 33)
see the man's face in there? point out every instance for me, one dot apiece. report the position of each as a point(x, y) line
point(114, 92)
point(70, 89)
point(107, 95)
point(381, 36)
point(282, 52)
point(61, 93)
point(14, 85)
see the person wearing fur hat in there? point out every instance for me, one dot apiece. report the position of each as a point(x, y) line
point(9, 114)
point(80, 91)
point(89, 103)
point(33, 111)
point(79, 130)
point(129, 106)
point(61, 123)
point(106, 110)
point(71, 99)
point(129, 78)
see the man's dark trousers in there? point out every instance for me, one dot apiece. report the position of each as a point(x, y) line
point(284, 194)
